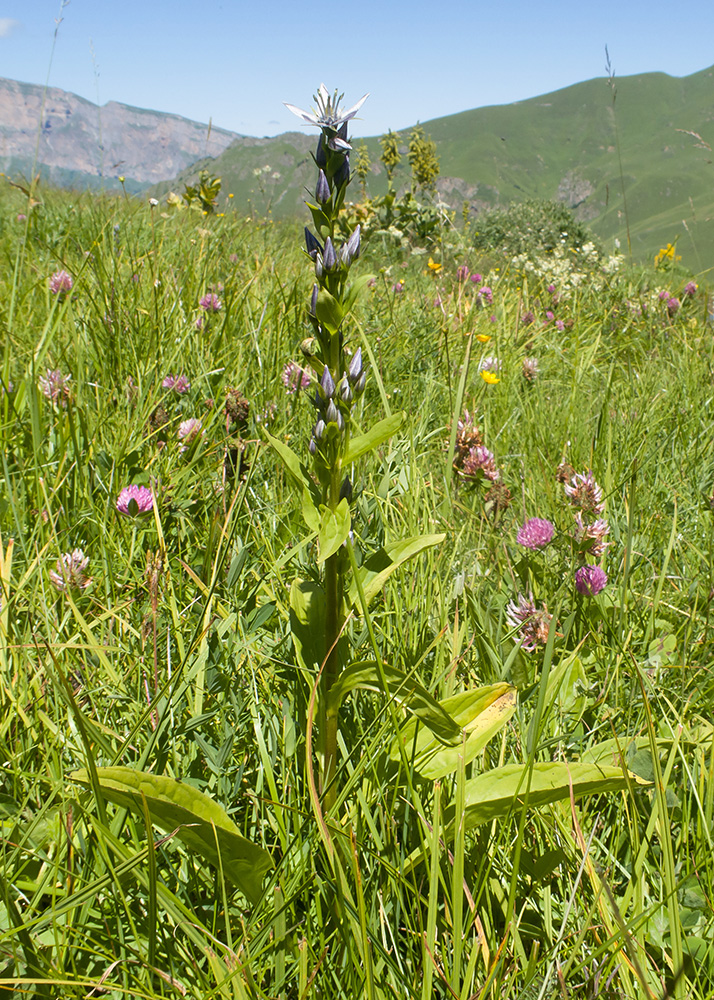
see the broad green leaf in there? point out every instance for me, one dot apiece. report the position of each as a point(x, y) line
point(495, 793)
point(377, 435)
point(354, 290)
point(307, 623)
point(379, 567)
point(292, 462)
point(334, 529)
point(404, 689)
point(204, 826)
point(481, 713)
point(566, 686)
point(328, 311)
point(310, 513)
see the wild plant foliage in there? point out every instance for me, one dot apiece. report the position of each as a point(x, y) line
point(354, 607)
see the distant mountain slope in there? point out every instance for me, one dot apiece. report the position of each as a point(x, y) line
point(653, 142)
point(84, 145)
point(560, 146)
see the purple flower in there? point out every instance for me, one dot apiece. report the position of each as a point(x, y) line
point(532, 623)
point(590, 580)
point(690, 288)
point(530, 369)
point(21, 217)
point(210, 303)
point(69, 572)
point(462, 272)
point(61, 282)
point(189, 431)
point(294, 377)
point(551, 288)
point(536, 533)
point(485, 294)
point(179, 383)
point(673, 304)
point(476, 279)
point(489, 364)
point(480, 463)
point(559, 325)
point(527, 318)
point(55, 386)
point(397, 287)
point(584, 492)
point(135, 500)
point(549, 315)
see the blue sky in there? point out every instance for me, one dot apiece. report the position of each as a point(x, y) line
point(235, 62)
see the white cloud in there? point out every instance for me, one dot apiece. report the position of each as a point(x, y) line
point(7, 26)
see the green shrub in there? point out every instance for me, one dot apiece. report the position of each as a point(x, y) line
point(531, 227)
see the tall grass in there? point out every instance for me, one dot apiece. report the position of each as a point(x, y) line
point(179, 659)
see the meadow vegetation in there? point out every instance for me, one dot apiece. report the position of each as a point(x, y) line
point(513, 508)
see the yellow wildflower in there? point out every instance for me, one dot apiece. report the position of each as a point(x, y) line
point(483, 337)
point(490, 378)
point(433, 265)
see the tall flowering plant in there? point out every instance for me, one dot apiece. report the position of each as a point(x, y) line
point(325, 473)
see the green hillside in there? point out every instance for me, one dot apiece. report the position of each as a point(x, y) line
point(560, 146)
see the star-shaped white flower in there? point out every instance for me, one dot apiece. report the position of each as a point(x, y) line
point(327, 112)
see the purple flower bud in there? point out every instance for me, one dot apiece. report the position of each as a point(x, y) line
point(535, 534)
point(329, 257)
point(350, 250)
point(313, 300)
point(345, 390)
point(332, 414)
point(361, 383)
point(590, 580)
point(312, 447)
point(355, 369)
point(327, 383)
point(320, 156)
point(322, 191)
point(319, 269)
point(134, 500)
point(319, 430)
point(342, 176)
point(313, 244)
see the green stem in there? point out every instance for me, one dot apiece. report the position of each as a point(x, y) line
point(334, 614)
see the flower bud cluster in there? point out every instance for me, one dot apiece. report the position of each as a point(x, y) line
point(328, 260)
point(333, 402)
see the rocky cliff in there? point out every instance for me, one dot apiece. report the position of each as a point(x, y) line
point(82, 143)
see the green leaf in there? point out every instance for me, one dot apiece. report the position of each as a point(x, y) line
point(310, 513)
point(334, 529)
point(481, 713)
point(381, 432)
point(404, 689)
point(291, 462)
point(379, 567)
point(354, 290)
point(566, 686)
point(328, 311)
point(495, 793)
point(297, 470)
point(203, 825)
point(307, 623)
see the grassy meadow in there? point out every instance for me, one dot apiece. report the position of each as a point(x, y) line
point(560, 845)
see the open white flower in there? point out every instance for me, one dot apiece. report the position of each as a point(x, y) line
point(327, 112)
